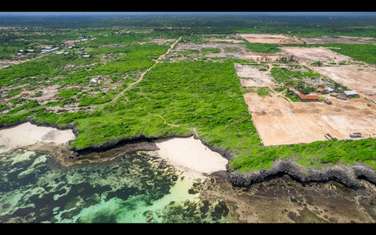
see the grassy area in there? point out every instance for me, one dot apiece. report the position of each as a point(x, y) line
point(291, 78)
point(361, 52)
point(209, 50)
point(172, 100)
point(68, 93)
point(314, 155)
point(263, 91)
point(262, 47)
point(283, 75)
point(304, 30)
point(130, 60)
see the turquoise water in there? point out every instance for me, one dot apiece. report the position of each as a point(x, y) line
point(132, 188)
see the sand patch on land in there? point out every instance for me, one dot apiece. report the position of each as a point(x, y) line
point(225, 40)
point(191, 155)
point(28, 134)
point(313, 54)
point(271, 39)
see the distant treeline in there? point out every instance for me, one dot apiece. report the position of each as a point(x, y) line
point(309, 24)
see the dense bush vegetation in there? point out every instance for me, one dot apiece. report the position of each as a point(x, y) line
point(179, 98)
point(262, 47)
point(175, 99)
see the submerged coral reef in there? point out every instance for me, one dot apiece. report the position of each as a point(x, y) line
point(131, 188)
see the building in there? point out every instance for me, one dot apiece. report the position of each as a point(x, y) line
point(96, 80)
point(328, 90)
point(351, 93)
point(308, 98)
point(47, 50)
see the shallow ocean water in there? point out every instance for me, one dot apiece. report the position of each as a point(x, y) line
point(132, 188)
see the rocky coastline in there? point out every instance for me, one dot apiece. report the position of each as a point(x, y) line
point(349, 176)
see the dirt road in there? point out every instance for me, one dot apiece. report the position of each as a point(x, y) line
point(141, 77)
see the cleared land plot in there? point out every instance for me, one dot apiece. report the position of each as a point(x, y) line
point(253, 77)
point(356, 77)
point(313, 54)
point(339, 39)
point(280, 122)
point(270, 39)
point(48, 93)
point(184, 51)
point(7, 63)
point(224, 49)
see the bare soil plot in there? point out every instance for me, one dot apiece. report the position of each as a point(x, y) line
point(339, 39)
point(48, 93)
point(227, 50)
point(7, 63)
point(196, 46)
point(280, 122)
point(313, 54)
point(357, 77)
point(271, 39)
point(253, 77)
point(162, 41)
point(224, 40)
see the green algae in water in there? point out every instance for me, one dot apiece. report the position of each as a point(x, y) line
point(137, 209)
point(132, 188)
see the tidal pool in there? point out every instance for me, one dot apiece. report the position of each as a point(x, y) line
point(131, 188)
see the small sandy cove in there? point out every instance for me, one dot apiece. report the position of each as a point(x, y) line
point(190, 154)
point(28, 134)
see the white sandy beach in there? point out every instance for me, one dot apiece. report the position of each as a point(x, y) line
point(190, 154)
point(28, 134)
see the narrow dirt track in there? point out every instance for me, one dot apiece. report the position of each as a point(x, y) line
point(157, 61)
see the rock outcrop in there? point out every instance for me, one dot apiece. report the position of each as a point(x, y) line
point(348, 176)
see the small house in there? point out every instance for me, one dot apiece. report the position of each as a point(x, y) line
point(94, 80)
point(351, 93)
point(304, 97)
point(308, 98)
point(328, 90)
point(356, 135)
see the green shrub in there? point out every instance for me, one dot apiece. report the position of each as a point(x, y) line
point(263, 91)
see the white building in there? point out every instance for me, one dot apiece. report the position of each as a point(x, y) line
point(350, 93)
